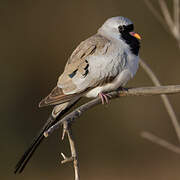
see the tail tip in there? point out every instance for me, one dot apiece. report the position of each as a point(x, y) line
point(42, 103)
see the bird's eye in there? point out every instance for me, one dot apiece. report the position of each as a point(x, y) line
point(121, 28)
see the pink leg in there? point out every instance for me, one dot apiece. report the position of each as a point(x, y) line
point(104, 98)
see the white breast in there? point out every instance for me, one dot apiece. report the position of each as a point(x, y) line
point(120, 63)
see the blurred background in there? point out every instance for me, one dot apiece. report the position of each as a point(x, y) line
point(36, 38)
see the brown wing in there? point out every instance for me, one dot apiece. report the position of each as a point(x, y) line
point(56, 97)
point(76, 67)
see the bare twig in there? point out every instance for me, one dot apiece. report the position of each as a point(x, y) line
point(143, 91)
point(156, 13)
point(166, 14)
point(177, 20)
point(174, 29)
point(164, 98)
point(176, 14)
point(67, 129)
point(173, 24)
point(160, 141)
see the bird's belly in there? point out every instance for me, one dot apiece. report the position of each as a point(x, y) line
point(94, 92)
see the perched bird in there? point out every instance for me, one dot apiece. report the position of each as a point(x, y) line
point(100, 64)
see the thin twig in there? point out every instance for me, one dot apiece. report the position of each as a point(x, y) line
point(177, 21)
point(173, 24)
point(156, 13)
point(164, 98)
point(176, 17)
point(174, 30)
point(166, 14)
point(143, 91)
point(67, 129)
point(151, 137)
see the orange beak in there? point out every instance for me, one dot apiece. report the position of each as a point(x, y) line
point(136, 35)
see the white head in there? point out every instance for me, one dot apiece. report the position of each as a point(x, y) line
point(112, 26)
point(120, 28)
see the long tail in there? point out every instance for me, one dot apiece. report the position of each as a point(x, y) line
point(38, 139)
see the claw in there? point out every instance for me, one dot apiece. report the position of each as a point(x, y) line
point(104, 98)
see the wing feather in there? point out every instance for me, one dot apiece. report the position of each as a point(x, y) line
point(76, 70)
point(56, 97)
point(77, 67)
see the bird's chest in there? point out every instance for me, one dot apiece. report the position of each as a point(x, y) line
point(108, 64)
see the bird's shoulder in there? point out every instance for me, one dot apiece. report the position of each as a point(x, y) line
point(77, 64)
point(77, 67)
point(91, 46)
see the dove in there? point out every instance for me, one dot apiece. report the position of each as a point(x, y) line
point(102, 63)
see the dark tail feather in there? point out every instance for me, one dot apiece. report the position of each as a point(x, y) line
point(37, 140)
point(29, 152)
point(26, 159)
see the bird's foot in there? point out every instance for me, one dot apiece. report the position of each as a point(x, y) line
point(104, 98)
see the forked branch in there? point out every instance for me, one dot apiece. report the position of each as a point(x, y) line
point(69, 118)
point(172, 24)
point(170, 21)
point(67, 130)
point(142, 91)
point(164, 98)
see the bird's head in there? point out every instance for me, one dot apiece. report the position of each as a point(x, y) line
point(121, 28)
point(118, 26)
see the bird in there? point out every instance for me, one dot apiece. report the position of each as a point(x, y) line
point(100, 64)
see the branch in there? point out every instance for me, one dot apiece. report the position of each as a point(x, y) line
point(160, 141)
point(176, 14)
point(156, 13)
point(173, 24)
point(143, 91)
point(166, 14)
point(164, 98)
point(174, 29)
point(67, 129)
